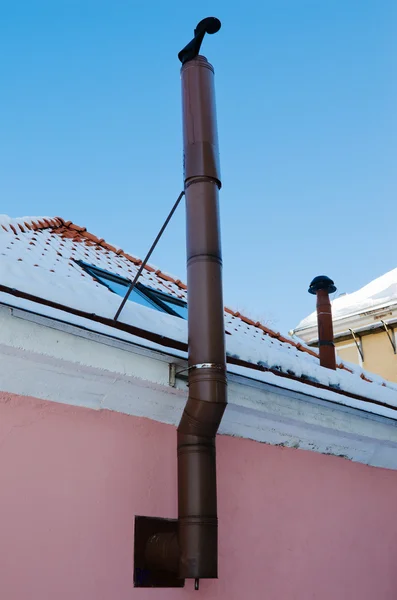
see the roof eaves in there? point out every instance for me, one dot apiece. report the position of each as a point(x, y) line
point(178, 345)
point(337, 319)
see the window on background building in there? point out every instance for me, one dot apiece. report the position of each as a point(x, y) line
point(141, 294)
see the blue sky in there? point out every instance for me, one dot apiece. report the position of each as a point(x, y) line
point(90, 125)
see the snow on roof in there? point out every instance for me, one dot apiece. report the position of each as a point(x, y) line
point(38, 256)
point(375, 295)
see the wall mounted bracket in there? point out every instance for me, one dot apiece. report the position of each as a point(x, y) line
point(393, 343)
point(358, 344)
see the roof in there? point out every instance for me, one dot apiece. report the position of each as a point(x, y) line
point(377, 294)
point(40, 272)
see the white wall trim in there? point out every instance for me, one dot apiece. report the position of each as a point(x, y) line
point(54, 337)
point(360, 323)
point(256, 410)
point(58, 362)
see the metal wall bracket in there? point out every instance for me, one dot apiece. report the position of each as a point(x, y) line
point(145, 577)
point(391, 340)
point(172, 375)
point(358, 344)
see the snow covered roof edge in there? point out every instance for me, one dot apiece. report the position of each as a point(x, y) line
point(376, 294)
point(14, 225)
point(53, 245)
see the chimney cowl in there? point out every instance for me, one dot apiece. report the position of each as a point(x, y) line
point(322, 282)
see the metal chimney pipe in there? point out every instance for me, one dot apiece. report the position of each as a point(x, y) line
point(322, 286)
point(188, 547)
point(197, 502)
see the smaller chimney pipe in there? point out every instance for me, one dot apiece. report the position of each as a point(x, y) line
point(322, 286)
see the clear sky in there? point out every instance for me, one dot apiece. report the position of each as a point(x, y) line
point(90, 130)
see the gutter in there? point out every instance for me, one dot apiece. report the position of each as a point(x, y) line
point(168, 342)
point(245, 373)
point(137, 331)
point(377, 327)
point(383, 309)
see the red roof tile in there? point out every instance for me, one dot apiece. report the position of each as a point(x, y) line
point(68, 230)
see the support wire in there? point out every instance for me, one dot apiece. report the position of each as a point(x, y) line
point(152, 247)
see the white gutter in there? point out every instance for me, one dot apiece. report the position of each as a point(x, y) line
point(63, 344)
point(359, 330)
point(355, 316)
point(58, 363)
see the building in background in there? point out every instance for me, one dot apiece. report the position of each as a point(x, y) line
point(306, 456)
point(364, 326)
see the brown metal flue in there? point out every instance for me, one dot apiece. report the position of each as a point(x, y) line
point(322, 286)
point(197, 502)
point(190, 550)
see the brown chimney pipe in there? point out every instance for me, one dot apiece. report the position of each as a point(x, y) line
point(198, 533)
point(322, 286)
point(194, 551)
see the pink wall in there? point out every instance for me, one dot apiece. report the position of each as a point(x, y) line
point(294, 525)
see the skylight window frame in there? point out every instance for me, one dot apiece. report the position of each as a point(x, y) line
point(155, 297)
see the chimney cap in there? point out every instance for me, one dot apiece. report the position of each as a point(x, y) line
point(209, 25)
point(322, 282)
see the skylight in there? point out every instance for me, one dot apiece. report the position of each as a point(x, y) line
point(141, 294)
